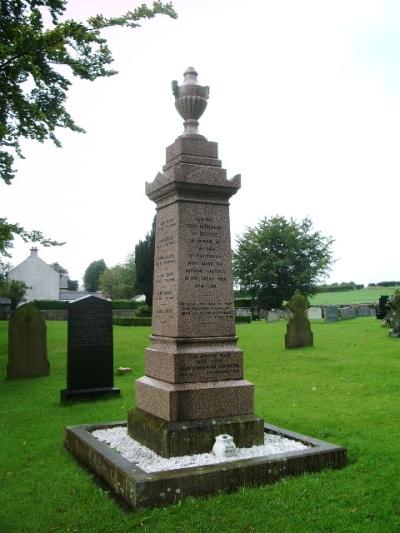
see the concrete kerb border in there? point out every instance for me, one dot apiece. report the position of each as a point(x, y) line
point(140, 489)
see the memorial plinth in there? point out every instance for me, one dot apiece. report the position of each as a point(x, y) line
point(193, 388)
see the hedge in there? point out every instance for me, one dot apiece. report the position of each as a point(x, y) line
point(132, 321)
point(243, 319)
point(340, 287)
point(126, 304)
point(143, 311)
point(49, 305)
point(243, 302)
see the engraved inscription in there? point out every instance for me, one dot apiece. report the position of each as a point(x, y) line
point(91, 329)
point(207, 296)
point(165, 263)
point(211, 367)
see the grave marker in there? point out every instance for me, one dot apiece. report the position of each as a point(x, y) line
point(331, 313)
point(298, 330)
point(90, 350)
point(27, 349)
point(347, 313)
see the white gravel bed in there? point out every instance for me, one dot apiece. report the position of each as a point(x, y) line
point(149, 461)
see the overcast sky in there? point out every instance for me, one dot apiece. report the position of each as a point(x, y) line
point(304, 104)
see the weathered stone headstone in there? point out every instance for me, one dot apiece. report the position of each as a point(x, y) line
point(285, 314)
point(5, 308)
point(242, 311)
point(298, 330)
point(363, 310)
point(347, 312)
point(27, 348)
point(193, 388)
point(394, 317)
point(331, 313)
point(272, 316)
point(314, 313)
point(90, 350)
point(255, 312)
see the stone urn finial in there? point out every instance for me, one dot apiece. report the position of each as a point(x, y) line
point(190, 101)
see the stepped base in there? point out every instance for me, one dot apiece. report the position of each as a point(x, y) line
point(171, 439)
point(139, 489)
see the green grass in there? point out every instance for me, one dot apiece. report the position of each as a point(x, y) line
point(367, 295)
point(345, 390)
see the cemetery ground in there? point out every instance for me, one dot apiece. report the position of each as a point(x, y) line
point(345, 390)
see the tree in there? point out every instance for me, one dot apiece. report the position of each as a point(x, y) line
point(35, 59)
point(72, 284)
point(119, 282)
point(278, 256)
point(9, 231)
point(59, 268)
point(92, 275)
point(32, 86)
point(13, 289)
point(144, 261)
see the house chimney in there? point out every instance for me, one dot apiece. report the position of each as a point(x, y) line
point(34, 251)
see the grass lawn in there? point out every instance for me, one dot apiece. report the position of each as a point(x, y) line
point(367, 295)
point(345, 390)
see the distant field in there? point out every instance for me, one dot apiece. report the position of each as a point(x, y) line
point(367, 295)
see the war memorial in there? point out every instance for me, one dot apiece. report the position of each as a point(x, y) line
point(194, 390)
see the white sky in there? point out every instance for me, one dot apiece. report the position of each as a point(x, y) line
point(304, 104)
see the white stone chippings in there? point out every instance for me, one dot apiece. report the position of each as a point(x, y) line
point(118, 439)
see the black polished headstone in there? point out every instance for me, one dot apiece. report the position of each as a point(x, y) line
point(90, 350)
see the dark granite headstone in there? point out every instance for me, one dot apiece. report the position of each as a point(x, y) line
point(298, 331)
point(27, 350)
point(90, 350)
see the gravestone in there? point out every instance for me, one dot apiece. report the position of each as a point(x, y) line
point(298, 330)
point(5, 308)
point(90, 350)
point(272, 316)
point(331, 313)
point(394, 317)
point(255, 313)
point(347, 312)
point(27, 348)
point(242, 311)
point(314, 313)
point(285, 314)
point(363, 310)
point(193, 389)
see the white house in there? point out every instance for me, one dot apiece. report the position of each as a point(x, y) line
point(43, 281)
